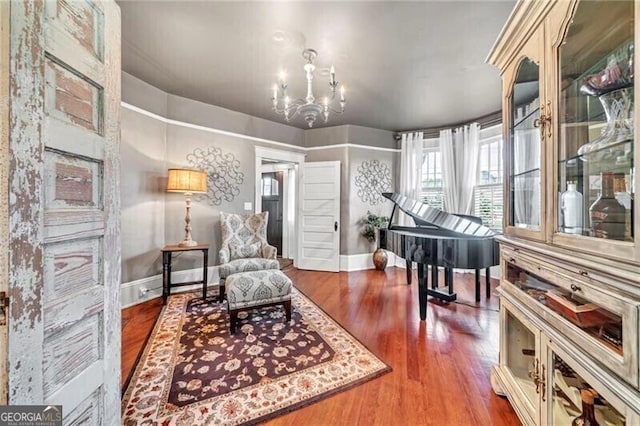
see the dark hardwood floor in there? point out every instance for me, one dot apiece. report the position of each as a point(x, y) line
point(137, 323)
point(441, 366)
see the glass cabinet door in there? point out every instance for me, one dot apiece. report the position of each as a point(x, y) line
point(525, 149)
point(520, 357)
point(601, 324)
point(572, 396)
point(596, 123)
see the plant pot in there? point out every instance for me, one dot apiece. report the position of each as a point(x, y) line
point(380, 259)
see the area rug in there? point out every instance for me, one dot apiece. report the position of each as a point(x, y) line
point(194, 372)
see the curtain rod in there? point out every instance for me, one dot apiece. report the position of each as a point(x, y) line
point(484, 121)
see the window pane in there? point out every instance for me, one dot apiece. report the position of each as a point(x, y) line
point(488, 205)
point(488, 192)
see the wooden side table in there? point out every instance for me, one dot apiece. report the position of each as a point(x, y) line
point(167, 253)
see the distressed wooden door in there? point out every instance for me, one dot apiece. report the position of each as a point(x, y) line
point(64, 208)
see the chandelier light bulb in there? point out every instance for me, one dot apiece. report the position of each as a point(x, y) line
point(308, 107)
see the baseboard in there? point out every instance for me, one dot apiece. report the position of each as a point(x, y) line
point(144, 289)
point(139, 291)
point(356, 262)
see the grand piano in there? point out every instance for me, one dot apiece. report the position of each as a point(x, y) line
point(439, 239)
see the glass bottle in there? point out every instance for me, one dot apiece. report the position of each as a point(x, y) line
point(607, 214)
point(624, 198)
point(588, 416)
point(572, 209)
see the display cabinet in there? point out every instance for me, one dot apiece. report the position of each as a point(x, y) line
point(570, 253)
point(549, 383)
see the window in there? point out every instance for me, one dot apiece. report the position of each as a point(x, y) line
point(431, 190)
point(269, 186)
point(488, 190)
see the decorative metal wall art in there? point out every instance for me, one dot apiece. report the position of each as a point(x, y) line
point(223, 174)
point(372, 180)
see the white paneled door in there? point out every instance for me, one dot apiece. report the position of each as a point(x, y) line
point(61, 155)
point(319, 246)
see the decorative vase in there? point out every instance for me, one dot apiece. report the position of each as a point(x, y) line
point(624, 198)
point(572, 209)
point(588, 416)
point(380, 259)
point(607, 214)
point(615, 140)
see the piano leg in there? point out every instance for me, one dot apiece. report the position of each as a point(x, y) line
point(409, 272)
point(434, 291)
point(449, 275)
point(477, 285)
point(422, 289)
point(434, 277)
point(487, 278)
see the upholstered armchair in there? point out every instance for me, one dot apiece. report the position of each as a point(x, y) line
point(244, 245)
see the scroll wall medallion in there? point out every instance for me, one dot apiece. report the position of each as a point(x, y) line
point(372, 180)
point(223, 174)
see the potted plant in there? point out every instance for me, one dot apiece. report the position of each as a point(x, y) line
point(371, 223)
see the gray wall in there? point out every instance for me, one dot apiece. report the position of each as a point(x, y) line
point(349, 134)
point(356, 243)
point(152, 218)
point(143, 170)
point(215, 117)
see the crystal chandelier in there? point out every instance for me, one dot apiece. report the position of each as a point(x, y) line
point(307, 107)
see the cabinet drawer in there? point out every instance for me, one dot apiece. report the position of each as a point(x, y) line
point(602, 323)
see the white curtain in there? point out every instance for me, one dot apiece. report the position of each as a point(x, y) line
point(449, 181)
point(460, 152)
point(411, 158)
point(468, 150)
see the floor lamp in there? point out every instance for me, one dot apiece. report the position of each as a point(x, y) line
point(187, 181)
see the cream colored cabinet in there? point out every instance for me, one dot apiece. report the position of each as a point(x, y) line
point(570, 253)
point(549, 383)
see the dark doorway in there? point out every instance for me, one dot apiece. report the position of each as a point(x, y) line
point(272, 202)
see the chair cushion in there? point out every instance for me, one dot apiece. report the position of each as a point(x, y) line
point(244, 265)
point(254, 288)
point(243, 251)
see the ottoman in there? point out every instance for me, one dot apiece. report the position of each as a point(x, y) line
point(257, 289)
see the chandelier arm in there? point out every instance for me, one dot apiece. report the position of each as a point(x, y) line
point(292, 105)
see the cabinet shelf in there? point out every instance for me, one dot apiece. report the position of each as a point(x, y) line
point(620, 161)
point(518, 124)
point(527, 173)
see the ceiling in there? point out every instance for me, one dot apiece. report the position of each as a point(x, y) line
point(405, 65)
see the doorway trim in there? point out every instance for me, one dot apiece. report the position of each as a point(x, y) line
point(297, 158)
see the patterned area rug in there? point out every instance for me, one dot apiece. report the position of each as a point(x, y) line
point(193, 372)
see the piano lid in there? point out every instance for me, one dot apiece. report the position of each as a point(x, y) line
point(422, 213)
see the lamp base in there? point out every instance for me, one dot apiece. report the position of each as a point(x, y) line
point(187, 243)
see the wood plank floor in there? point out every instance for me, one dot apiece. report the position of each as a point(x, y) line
point(441, 366)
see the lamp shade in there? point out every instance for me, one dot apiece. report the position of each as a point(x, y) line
point(187, 180)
